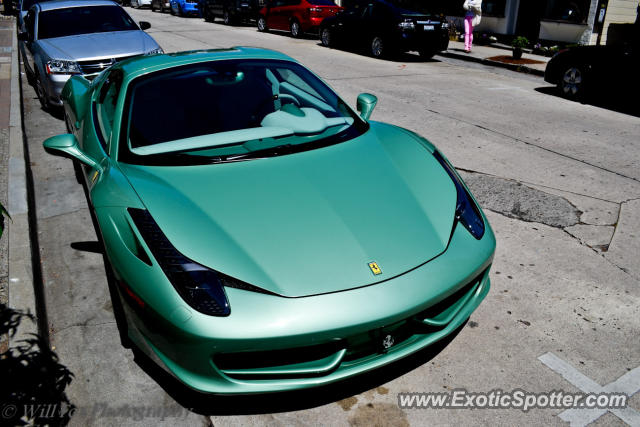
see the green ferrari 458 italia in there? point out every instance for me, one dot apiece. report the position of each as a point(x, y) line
point(266, 237)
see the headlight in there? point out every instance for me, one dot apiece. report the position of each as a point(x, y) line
point(407, 24)
point(157, 51)
point(60, 66)
point(199, 286)
point(467, 213)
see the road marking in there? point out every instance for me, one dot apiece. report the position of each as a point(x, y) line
point(629, 384)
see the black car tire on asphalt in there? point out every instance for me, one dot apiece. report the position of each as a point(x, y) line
point(427, 54)
point(378, 49)
point(295, 29)
point(208, 16)
point(572, 82)
point(262, 24)
point(326, 37)
point(153, 8)
point(226, 18)
point(42, 95)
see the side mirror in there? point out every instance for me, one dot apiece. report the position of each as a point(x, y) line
point(67, 145)
point(23, 36)
point(144, 25)
point(366, 103)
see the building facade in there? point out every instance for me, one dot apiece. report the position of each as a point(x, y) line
point(568, 21)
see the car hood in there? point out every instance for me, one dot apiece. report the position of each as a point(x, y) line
point(311, 222)
point(99, 45)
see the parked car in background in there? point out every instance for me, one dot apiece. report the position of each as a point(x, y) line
point(77, 37)
point(296, 16)
point(582, 71)
point(275, 275)
point(388, 27)
point(231, 11)
point(137, 4)
point(161, 5)
point(185, 7)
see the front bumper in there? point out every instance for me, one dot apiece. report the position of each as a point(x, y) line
point(53, 87)
point(195, 348)
point(436, 40)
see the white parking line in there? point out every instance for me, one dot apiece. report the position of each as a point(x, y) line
point(629, 384)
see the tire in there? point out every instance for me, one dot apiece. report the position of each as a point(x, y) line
point(226, 18)
point(153, 8)
point(378, 49)
point(295, 29)
point(208, 16)
point(326, 37)
point(262, 24)
point(42, 94)
point(427, 54)
point(180, 12)
point(572, 83)
point(171, 11)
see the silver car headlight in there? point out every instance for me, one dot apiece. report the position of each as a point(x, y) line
point(61, 66)
point(156, 51)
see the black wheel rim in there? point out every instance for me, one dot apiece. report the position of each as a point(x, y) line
point(326, 37)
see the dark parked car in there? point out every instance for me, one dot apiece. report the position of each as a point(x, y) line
point(388, 27)
point(161, 5)
point(231, 11)
point(581, 71)
point(297, 16)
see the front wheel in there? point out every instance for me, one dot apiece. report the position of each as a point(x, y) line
point(226, 17)
point(262, 24)
point(42, 93)
point(208, 16)
point(427, 54)
point(571, 84)
point(153, 7)
point(378, 47)
point(326, 37)
point(295, 29)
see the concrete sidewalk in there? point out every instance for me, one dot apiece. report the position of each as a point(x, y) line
point(488, 55)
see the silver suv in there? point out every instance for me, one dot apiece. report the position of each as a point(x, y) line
point(67, 37)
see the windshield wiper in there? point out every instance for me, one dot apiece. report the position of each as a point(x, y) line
point(278, 150)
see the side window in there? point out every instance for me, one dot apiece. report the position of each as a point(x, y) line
point(106, 106)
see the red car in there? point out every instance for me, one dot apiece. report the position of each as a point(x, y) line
point(297, 16)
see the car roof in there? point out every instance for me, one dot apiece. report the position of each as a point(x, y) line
point(150, 63)
point(64, 4)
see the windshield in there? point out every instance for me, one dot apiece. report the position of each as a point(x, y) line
point(230, 110)
point(83, 20)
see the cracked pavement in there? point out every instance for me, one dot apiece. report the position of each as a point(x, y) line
point(559, 181)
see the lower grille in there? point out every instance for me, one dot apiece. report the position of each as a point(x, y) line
point(318, 360)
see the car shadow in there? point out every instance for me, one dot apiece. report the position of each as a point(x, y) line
point(206, 404)
point(93, 247)
point(406, 57)
point(619, 104)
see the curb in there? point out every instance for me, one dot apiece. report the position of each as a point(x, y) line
point(21, 290)
point(512, 67)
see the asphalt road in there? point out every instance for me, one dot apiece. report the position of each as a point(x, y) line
point(560, 182)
